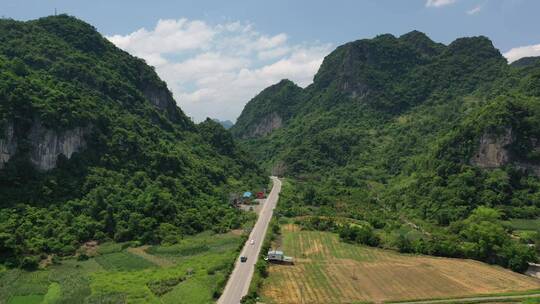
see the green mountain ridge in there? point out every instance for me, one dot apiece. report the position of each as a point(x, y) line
point(270, 109)
point(93, 147)
point(385, 76)
point(526, 61)
point(401, 129)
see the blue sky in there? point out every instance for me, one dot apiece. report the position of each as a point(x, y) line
point(216, 55)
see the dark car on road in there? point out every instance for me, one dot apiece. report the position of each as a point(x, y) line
point(243, 259)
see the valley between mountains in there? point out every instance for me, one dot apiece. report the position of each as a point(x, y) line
point(407, 170)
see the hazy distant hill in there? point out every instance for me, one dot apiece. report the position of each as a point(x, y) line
point(227, 124)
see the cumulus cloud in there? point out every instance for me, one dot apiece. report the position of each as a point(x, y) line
point(213, 70)
point(522, 51)
point(169, 36)
point(438, 3)
point(475, 10)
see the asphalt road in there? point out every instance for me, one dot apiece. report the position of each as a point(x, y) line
point(239, 281)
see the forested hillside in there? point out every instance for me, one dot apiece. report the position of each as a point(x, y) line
point(93, 147)
point(433, 146)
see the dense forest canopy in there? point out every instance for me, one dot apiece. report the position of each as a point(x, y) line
point(139, 169)
point(418, 139)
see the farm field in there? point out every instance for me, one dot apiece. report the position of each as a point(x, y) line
point(327, 270)
point(188, 272)
point(525, 224)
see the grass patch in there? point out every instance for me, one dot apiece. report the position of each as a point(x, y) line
point(514, 294)
point(109, 247)
point(29, 299)
point(191, 291)
point(53, 294)
point(205, 242)
point(123, 261)
point(16, 282)
point(524, 224)
point(181, 250)
point(162, 287)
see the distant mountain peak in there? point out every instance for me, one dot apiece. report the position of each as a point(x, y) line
point(385, 73)
point(478, 46)
point(422, 42)
point(227, 124)
point(526, 61)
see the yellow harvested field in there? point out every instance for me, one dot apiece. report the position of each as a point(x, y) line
point(329, 271)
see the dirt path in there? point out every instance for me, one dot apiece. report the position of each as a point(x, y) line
point(141, 251)
point(473, 299)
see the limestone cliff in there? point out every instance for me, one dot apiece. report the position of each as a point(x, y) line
point(266, 125)
point(160, 98)
point(45, 144)
point(269, 110)
point(48, 144)
point(8, 144)
point(494, 152)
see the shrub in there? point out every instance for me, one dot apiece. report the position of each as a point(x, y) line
point(30, 262)
point(162, 287)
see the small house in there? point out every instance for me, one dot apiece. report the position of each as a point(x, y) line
point(275, 255)
point(278, 256)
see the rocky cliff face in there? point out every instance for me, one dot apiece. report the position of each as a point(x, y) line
point(492, 152)
point(269, 123)
point(8, 144)
point(164, 102)
point(271, 109)
point(161, 99)
point(45, 144)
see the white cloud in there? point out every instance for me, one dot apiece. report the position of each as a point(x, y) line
point(438, 3)
point(522, 51)
point(475, 10)
point(169, 36)
point(213, 70)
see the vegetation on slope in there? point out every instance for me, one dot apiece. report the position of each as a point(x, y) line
point(387, 134)
point(147, 173)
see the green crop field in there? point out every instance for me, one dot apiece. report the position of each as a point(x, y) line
point(327, 270)
point(158, 274)
point(123, 261)
point(525, 224)
point(204, 243)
